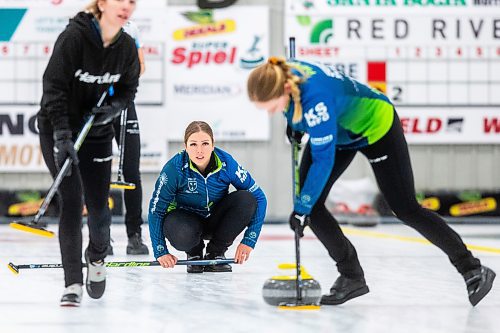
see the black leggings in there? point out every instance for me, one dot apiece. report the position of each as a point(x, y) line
point(89, 180)
point(131, 173)
point(391, 165)
point(186, 230)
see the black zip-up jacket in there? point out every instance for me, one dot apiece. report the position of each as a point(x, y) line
point(79, 71)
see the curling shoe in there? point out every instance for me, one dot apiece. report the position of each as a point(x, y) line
point(96, 277)
point(72, 295)
point(195, 268)
point(217, 268)
point(479, 282)
point(344, 289)
point(136, 246)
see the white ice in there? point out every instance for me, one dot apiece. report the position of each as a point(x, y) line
point(413, 288)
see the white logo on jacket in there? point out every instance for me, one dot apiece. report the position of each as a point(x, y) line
point(162, 181)
point(192, 185)
point(241, 173)
point(378, 159)
point(321, 141)
point(100, 79)
point(317, 115)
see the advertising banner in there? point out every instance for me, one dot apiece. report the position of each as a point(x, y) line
point(210, 54)
point(453, 125)
point(436, 59)
point(22, 203)
point(19, 146)
point(455, 204)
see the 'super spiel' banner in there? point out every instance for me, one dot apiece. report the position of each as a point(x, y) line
point(210, 54)
point(438, 61)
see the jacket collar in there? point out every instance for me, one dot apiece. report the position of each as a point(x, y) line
point(214, 165)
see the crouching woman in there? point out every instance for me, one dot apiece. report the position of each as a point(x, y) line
point(191, 203)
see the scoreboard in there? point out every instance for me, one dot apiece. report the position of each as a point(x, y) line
point(423, 75)
point(438, 61)
point(28, 30)
point(24, 59)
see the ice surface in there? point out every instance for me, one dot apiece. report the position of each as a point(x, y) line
point(413, 288)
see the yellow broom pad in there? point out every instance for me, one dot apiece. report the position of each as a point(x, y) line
point(32, 229)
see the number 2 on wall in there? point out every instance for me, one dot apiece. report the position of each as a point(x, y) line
point(396, 97)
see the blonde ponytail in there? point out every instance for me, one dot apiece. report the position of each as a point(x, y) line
point(267, 82)
point(294, 85)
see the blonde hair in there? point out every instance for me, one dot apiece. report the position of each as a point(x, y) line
point(94, 9)
point(267, 82)
point(198, 126)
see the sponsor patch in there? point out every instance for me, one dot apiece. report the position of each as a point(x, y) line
point(321, 141)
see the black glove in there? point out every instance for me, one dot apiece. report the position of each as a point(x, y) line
point(299, 222)
point(63, 148)
point(293, 136)
point(106, 114)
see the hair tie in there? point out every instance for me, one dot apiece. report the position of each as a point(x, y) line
point(276, 60)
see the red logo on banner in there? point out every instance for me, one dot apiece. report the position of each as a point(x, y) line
point(195, 57)
point(419, 126)
point(491, 125)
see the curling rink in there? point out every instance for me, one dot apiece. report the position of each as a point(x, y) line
point(413, 288)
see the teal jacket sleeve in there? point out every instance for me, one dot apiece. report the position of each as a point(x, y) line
point(163, 196)
point(321, 124)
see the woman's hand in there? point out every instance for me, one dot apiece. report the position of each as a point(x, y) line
point(167, 261)
point(242, 253)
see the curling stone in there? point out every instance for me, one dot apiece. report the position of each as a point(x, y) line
point(282, 289)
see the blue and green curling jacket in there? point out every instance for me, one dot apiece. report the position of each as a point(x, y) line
point(181, 186)
point(338, 113)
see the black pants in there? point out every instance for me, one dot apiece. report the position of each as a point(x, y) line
point(89, 182)
point(391, 165)
point(131, 173)
point(186, 230)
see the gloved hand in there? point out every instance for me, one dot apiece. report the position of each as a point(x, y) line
point(299, 222)
point(293, 136)
point(106, 114)
point(63, 148)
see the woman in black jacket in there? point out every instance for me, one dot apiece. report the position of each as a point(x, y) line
point(91, 56)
